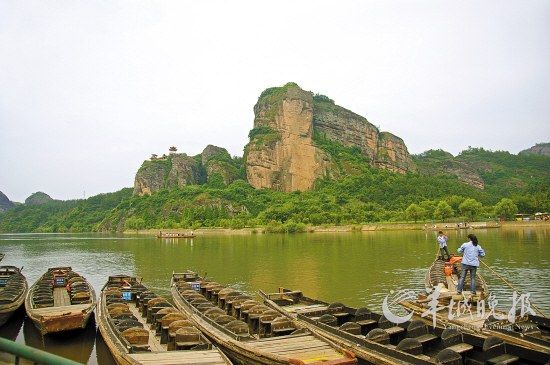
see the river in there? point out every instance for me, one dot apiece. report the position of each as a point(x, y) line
point(358, 269)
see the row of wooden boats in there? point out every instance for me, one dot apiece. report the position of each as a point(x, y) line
point(210, 323)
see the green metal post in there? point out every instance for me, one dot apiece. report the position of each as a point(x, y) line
point(35, 355)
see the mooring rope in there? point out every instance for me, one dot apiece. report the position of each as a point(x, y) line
point(511, 286)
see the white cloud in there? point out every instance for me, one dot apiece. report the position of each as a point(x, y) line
point(89, 89)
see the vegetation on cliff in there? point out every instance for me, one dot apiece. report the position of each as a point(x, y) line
point(362, 194)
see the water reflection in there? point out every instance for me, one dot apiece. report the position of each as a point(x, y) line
point(74, 345)
point(355, 268)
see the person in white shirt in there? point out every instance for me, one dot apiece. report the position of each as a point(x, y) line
point(442, 240)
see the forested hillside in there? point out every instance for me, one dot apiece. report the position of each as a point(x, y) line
point(356, 193)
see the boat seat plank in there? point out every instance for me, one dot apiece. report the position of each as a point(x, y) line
point(299, 348)
point(428, 337)
point(47, 311)
point(461, 347)
point(291, 346)
point(290, 339)
point(366, 322)
point(309, 308)
point(394, 330)
point(503, 359)
point(340, 314)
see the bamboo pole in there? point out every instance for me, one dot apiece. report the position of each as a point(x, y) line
point(511, 286)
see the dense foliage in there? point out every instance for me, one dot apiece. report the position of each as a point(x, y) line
point(355, 194)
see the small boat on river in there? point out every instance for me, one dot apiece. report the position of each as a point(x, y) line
point(175, 235)
point(375, 339)
point(61, 300)
point(529, 331)
point(13, 288)
point(140, 327)
point(248, 331)
point(2, 256)
point(445, 274)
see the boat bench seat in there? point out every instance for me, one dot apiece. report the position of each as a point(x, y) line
point(186, 345)
point(340, 314)
point(366, 322)
point(503, 359)
point(427, 338)
point(139, 348)
point(394, 330)
point(461, 347)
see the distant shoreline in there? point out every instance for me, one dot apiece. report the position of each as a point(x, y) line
point(449, 226)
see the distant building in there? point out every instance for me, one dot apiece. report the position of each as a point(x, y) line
point(173, 150)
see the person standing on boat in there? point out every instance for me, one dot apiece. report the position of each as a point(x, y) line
point(470, 262)
point(442, 240)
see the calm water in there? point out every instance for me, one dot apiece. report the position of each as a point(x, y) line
point(355, 268)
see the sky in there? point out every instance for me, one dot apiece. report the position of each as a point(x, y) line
point(89, 89)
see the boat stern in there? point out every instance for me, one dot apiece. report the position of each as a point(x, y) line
point(65, 322)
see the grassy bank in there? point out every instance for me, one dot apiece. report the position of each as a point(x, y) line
point(349, 228)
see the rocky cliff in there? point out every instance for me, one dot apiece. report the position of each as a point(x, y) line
point(5, 203)
point(179, 169)
point(38, 198)
point(283, 154)
point(538, 149)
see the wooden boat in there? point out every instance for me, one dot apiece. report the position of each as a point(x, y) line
point(445, 275)
point(175, 235)
point(248, 331)
point(373, 338)
point(61, 300)
point(13, 288)
point(529, 331)
point(139, 327)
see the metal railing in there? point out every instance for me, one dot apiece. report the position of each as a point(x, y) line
point(37, 356)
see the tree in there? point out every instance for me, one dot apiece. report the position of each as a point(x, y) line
point(415, 212)
point(429, 206)
point(506, 208)
point(135, 223)
point(470, 208)
point(443, 211)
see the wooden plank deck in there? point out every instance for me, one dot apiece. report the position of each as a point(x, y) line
point(61, 297)
point(49, 311)
point(154, 341)
point(207, 357)
point(307, 348)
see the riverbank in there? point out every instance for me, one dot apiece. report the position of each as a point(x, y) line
point(355, 228)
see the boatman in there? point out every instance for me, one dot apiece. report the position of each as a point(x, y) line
point(470, 262)
point(442, 240)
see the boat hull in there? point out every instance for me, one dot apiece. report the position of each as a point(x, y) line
point(8, 309)
point(68, 321)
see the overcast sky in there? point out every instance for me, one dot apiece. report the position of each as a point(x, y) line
point(89, 89)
